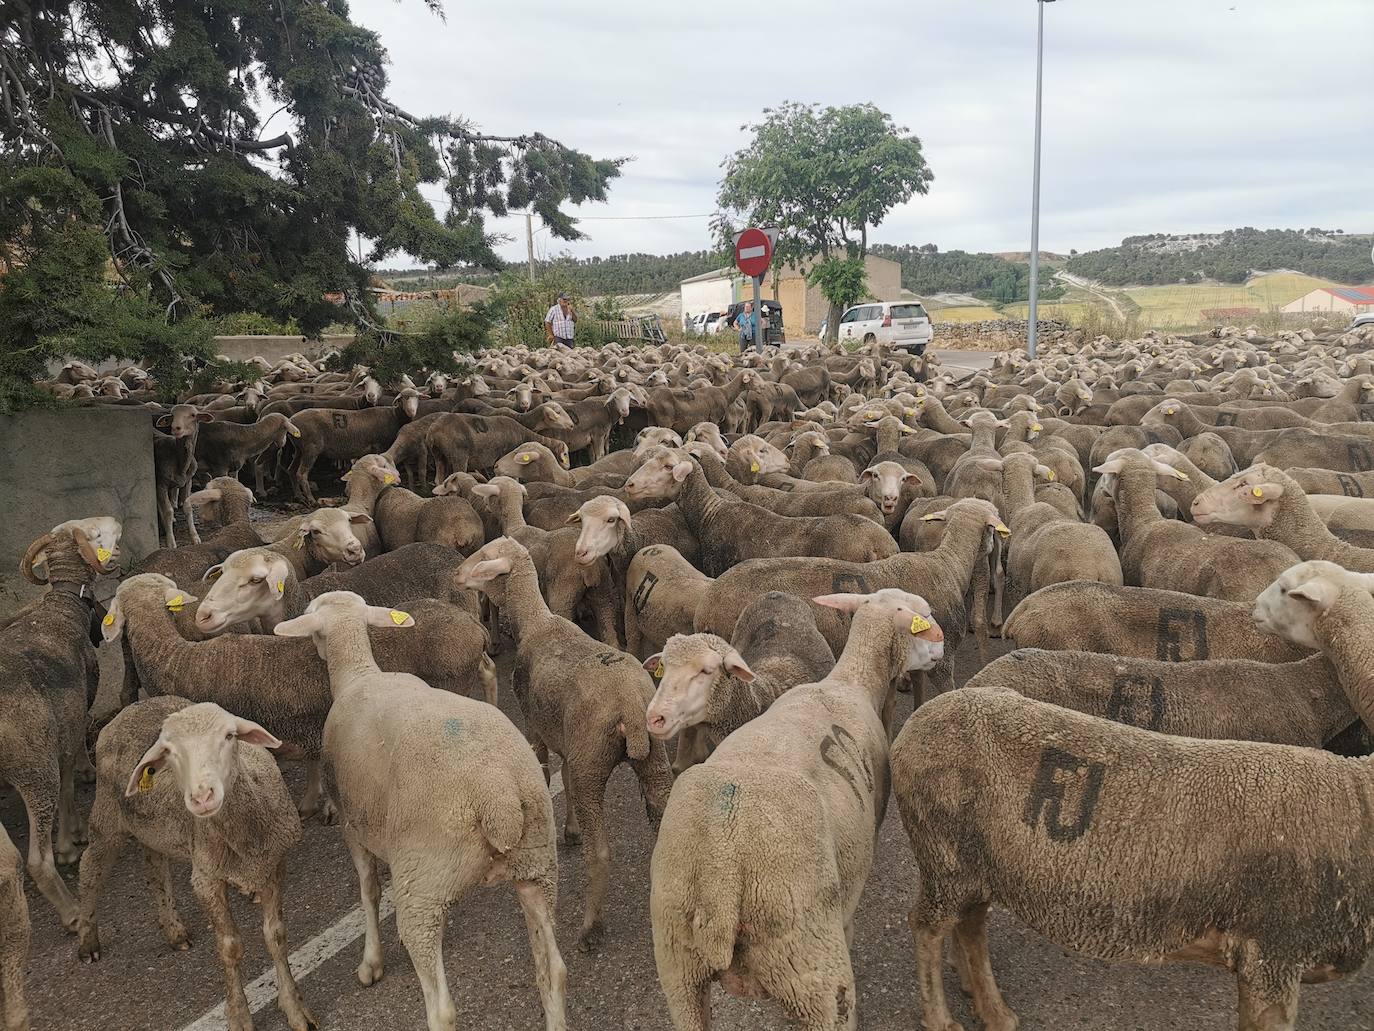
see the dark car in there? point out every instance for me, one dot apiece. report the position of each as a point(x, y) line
point(775, 333)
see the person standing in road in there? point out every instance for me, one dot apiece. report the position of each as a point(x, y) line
point(561, 322)
point(748, 324)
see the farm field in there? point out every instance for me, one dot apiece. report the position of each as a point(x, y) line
point(1181, 306)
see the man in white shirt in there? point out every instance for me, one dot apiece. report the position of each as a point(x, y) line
point(561, 322)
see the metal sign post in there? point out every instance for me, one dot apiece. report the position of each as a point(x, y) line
point(753, 253)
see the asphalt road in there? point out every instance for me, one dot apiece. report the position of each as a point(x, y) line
point(141, 984)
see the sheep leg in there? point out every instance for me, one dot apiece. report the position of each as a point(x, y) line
point(301, 474)
point(633, 639)
point(39, 801)
point(655, 780)
point(164, 516)
point(314, 800)
point(587, 798)
point(214, 899)
point(999, 586)
point(971, 945)
point(421, 925)
point(14, 951)
point(69, 828)
point(189, 512)
point(572, 830)
point(818, 995)
point(129, 686)
point(930, 973)
point(107, 838)
point(538, 901)
point(258, 478)
point(1267, 1000)
point(486, 676)
point(159, 876)
point(289, 1000)
point(686, 986)
point(372, 968)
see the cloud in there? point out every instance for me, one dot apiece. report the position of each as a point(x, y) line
point(1171, 115)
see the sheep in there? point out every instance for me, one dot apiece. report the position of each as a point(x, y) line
point(346, 435)
point(467, 443)
point(1268, 502)
point(534, 463)
point(235, 670)
point(709, 687)
point(733, 531)
point(608, 528)
point(766, 846)
point(223, 502)
point(174, 461)
point(662, 593)
point(1121, 843)
point(583, 701)
point(1164, 553)
point(222, 448)
point(49, 681)
point(781, 502)
point(14, 937)
point(403, 517)
point(1288, 703)
point(1325, 481)
point(1141, 622)
point(194, 783)
point(397, 750)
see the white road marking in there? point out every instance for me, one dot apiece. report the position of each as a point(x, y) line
point(315, 953)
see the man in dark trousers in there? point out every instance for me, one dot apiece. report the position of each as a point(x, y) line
point(560, 324)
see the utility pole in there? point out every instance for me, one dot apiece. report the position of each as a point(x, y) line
point(1033, 314)
point(529, 240)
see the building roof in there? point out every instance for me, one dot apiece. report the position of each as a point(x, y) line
point(720, 273)
point(1354, 294)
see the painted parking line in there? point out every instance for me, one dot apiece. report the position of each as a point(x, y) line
point(319, 950)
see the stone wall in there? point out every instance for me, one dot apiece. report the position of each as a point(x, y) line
point(69, 463)
point(274, 348)
point(994, 334)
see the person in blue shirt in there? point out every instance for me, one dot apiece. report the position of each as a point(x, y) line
point(748, 324)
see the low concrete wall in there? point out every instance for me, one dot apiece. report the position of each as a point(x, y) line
point(65, 464)
point(241, 348)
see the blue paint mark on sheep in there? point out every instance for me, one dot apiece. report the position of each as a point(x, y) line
point(725, 799)
point(452, 728)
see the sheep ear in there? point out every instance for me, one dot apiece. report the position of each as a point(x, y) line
point(1258, 493)
point(205, 417)
point(681, 471)
point(734, 662)
point(843, 602)
point(392, 619)
point(1321, 593)
point(205, 495)
point(866, 475)
point(213, 573)
point(142, 777)
point(485, 490)
point(113, 623)
point(914, 479)
point(251, 734)
point(654, 665)
point(302, 626)
point(484, 572)
point(1112, 465)
point(573, 520)
point(359, 517)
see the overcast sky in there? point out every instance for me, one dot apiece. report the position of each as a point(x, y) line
point(1160, 115)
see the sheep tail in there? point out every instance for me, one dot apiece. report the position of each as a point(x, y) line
point(499, 816)
point(634, 727)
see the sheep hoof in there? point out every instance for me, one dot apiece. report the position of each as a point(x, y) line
point(67, 856)
point(370, 973)
point(572, 837)
point(89, 948)
point(590, 938)
point(328, 813)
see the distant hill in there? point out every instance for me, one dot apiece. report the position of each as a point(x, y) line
point(988, 277)
point(617, 274)
point(1229, 257)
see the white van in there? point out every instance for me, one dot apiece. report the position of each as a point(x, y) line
point(903, 324)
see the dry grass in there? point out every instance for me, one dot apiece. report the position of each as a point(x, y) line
point(1181, 307)
point(972, 313)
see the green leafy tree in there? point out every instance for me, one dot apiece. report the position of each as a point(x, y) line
point(137, 123)
point(823, 176)
point(841, 281)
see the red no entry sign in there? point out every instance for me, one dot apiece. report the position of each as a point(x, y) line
point(753, 252)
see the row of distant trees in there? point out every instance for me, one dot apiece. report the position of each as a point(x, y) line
point(1229, 257)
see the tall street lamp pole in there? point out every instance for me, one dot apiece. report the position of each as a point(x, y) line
point(1035, 185)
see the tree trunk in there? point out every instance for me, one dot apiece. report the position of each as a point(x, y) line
point(832, 323)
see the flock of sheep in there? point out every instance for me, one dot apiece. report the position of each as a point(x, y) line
point(1173, 765)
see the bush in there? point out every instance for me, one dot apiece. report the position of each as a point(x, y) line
point(449, 333)
point(252, 323)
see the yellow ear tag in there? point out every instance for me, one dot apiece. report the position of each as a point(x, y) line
point(1181, 475)
point(176, 604)
point(1005, 531)
point(300, 541)
point(565, 461)
point(1171, 411)
point(918, 624)
point(294, 433)
point(753, 467)
point(910, 412)
point(1036, 427)
point(526, 458)
point(388, 479)
point(1052, 476)
point(108, 620)
point(929, 516)
point(103, 554)
point(281, 587)
point(398, 617)
point(1257, 492)
point(145, 782)
point(658, 670)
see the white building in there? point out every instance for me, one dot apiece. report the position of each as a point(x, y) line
point(709, 292)
point(1349, 300)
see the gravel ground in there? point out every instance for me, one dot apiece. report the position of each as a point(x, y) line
point(141, 984)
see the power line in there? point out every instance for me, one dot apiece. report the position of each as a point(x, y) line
point(636, 218)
